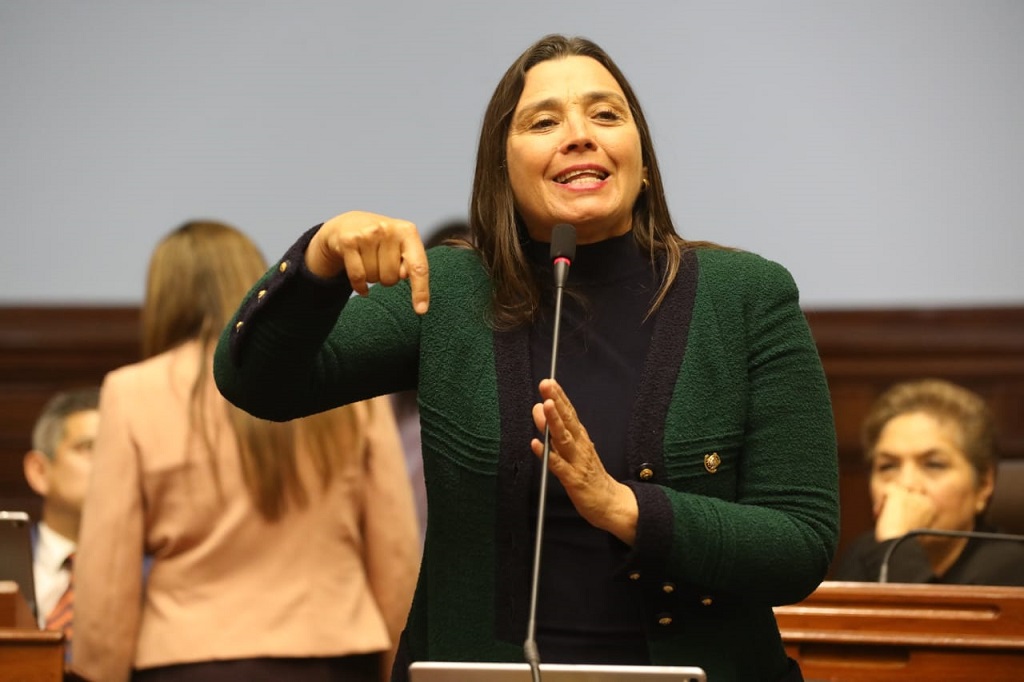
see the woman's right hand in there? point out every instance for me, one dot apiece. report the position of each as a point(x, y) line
point(371, 248)
point(901, 510)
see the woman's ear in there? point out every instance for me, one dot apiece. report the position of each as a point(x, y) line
point(37, 471)
point(986, 486)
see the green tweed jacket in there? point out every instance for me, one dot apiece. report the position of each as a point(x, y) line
point(731, 442)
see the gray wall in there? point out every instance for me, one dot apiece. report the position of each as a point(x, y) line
point(875, 147)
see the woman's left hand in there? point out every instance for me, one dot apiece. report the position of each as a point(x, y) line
point(598, 497)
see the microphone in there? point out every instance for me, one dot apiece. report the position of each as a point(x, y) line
point(883, 573)
point(563, 250)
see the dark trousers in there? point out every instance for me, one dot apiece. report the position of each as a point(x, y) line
point(359, 668)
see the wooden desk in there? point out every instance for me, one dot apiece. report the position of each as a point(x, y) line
point(861, 632)
point(27, 654)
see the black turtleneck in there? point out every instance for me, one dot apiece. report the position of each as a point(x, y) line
point(587, 611)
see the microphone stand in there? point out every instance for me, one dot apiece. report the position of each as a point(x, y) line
point(561, 272)
point(883, 573)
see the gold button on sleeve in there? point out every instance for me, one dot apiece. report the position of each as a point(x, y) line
point(261, 294)
point(646, 474)
point(283, 266)
point(711, 462)
point(238, 325)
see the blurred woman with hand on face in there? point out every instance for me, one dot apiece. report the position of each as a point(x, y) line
point(931, 448)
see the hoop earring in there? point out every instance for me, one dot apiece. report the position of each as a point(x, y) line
point(645, 184)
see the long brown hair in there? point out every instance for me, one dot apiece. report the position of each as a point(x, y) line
point(198, 275)
point(497, 227)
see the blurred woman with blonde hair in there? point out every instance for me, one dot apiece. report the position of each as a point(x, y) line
point(279, 550)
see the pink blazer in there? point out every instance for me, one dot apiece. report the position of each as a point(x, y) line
point(335, 578)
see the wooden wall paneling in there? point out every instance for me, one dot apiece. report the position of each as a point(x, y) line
point(44, 349)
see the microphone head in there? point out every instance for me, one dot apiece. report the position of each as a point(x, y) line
point(563, 242)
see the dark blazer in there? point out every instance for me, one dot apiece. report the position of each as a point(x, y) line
point(982, 562)
point(732, 448)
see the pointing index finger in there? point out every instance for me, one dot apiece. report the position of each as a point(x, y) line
point(414, 262)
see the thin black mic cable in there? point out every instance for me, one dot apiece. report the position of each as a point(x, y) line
point(563, 250)
point(883, 573)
